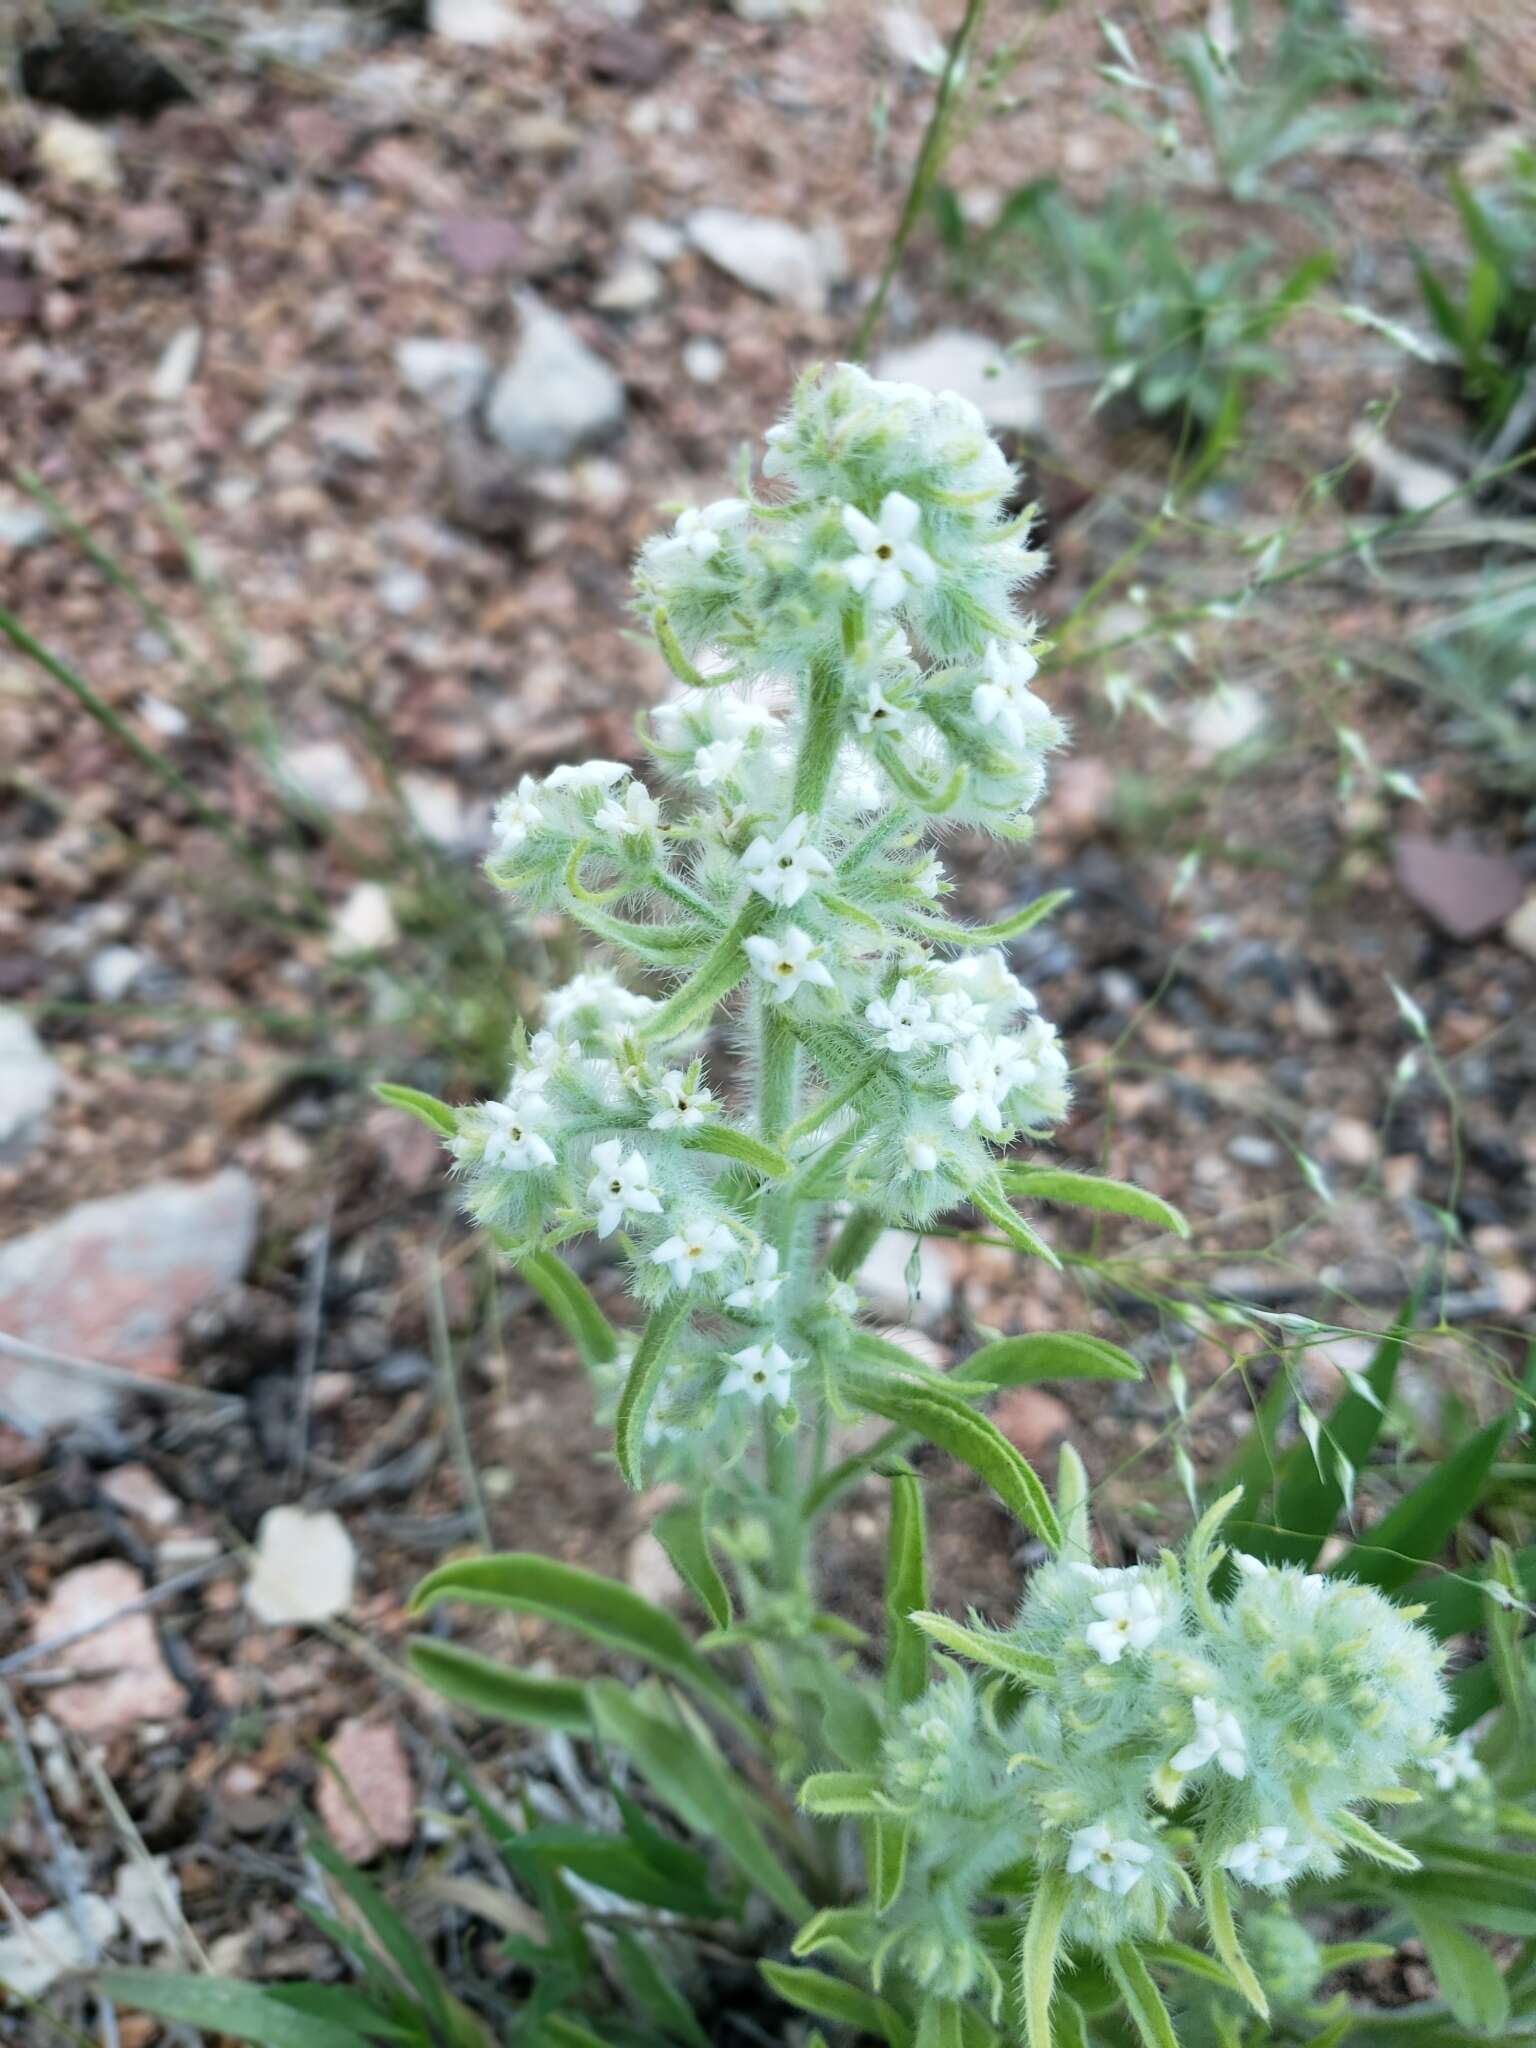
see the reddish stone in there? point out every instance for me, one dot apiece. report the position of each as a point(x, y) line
point(481, 245)
point(123, 1677)
point(367, 1796)
point(1464, 892)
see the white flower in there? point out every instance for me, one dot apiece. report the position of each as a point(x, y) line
point(699, 532)
point(889, 559)
point(776, 462)
point(929, 878)
point(601, 992)
point(1130, 1620)
point(516, 816)
point(981, 1071)
point(1113, 1863)
point(783, 869)
point(986, 978)
point(620, 1186)
point(959, 1013)
point(1218, 1734)
point(762, 1372)
point(763, 1286)
point(682, 1108)
point(712, 764)
point(1270, 1858)
point(844, 1297)
point(636, 811)
point(1311, 1585)
point(1005, 699)
point(788, 960)
point(904, 1019)
point(511, 1143)
point(922, 1156)
point(699, 1247)
point(879, 713)
point(581, 775)
point(1456, 1765)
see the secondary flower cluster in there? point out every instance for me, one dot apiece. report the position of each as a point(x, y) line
point(1165, 1729)
point(854, 678)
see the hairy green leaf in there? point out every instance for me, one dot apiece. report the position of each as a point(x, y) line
point(1093, 1191)
point(437, 1116)
point(486, 1687)
point(1054, 1355)
point(830, 1998)
point(934, 1411)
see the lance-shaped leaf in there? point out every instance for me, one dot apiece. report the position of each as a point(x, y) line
point(596, 1607)
point(711, 981)
point(1093, 1191)
point(674, 1753)
point(1051, 1355)
point(943, 932)
point(1471, 1982)
point(645, 1375)
point(906, 1589)
point(834, 1795)
point(1037, 1958)
point(1141, 1997)
point(569, 1301)
point(488, 1688)
point(437, 1116)
point(1001, 1213)
point(218, 2005)
point(986, 1646)
point(1217, 1898)
point(682, 1534)
point(945, 1418)
point(680, 944)
point(723, 1142)
point(1416, 1531)
point(830, 1998)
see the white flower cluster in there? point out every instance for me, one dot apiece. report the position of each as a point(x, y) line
point(1258, 1726)
point(854, 677)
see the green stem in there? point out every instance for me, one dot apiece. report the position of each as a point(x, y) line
point(823, 732)
point(925, 171)
point(822, 1112)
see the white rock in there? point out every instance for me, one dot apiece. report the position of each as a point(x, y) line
point(177, 366)
point(1410, 483)
point(775, 10)
point(319, 35)
point(657, 239)
point(148, 1898)
point(29, 1078)
point(651, 1573)
point(77, 154)
point(1003, 388)
point(633, 284)
point(1232, 714)
point(35, 1955)
point(1520, 928)
point(324, 773)
point(704, 359)
point(365, 923)
point(113, 971)
point(482, 24)
point(882, 1279)
point(304, 1570)
point(770, 256)
point(22, 523)
point(449, 375)
point(403, 590)
point(912, 38)
point(440, 812)
point(555, 397)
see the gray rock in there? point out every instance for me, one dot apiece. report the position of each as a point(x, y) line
point(555, 397)
point(770, 256)
point(633, 284)
point(29, 1079)
point(324, 773)
point(449, 375)
point(113, 1281)
point(704, 359)
point(113, 971)
point(22, 523)
point(1004, 389)
point(480, 24)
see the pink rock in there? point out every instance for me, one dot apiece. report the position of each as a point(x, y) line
point(113, 1281)
point(1465, 892)
point(481, 244)
point(1033, 1421)
point(136, 1490)
point(367, 1795)
point(124, 1681)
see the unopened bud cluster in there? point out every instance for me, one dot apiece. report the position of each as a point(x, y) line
point(1168, 1737)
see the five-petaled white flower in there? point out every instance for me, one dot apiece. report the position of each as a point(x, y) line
point(1005, 698)
point(1311, 1585)
point(512, 1144)
point(889, 560)
point(1111, 1862)
point(701, 1246)
point(620, 1186)
point(579, 775)
point(763, 1286)
point(682, 1108)
point(1219, 1735)
point(762, 1372)
point(1269, 1859)
point(700, 531)
point(635, 811)
point(879, 714)
point(783, 869)
point(1130, 1619)
point(904, 1019)
point(1456, 1765)
point(981, 1071)
point(517, 815)
point(787, 961)
point(713, 763)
